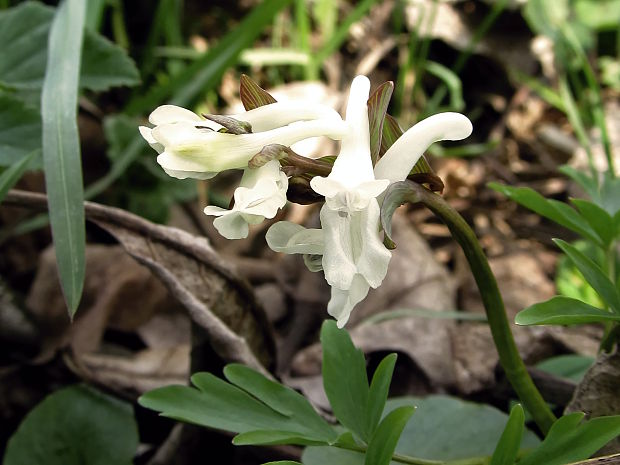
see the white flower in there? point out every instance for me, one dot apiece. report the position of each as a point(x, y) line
point(354, 258)
point(261, 193)
point(190, 146)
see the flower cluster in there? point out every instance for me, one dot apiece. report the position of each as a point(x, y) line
point(348, 247)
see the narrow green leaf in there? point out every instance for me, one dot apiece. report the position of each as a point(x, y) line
point(508, 446)
point(20, 131)
point(383, 442)
point(571, 366)
point(344, 378)
point(283, 462)
point(11, 175)
point(216, 404)
point(252, 95)
point(74, 426)
point(204, 73)
point(551, 209)
point(61, 148)
point(561, 310)
point(281, 399)
point(593, 275)
point(452, 82)
point(379, 388)
point(272, 437)
point(571, 440)
point(598, 219)
point(588, 183)
point(377, 109)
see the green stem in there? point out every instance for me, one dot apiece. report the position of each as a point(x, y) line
point(509, 357)
point(401, 458)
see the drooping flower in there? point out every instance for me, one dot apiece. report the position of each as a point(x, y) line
point(353, 255)
point(191, 147)
point(261, 193)
point(354, 258)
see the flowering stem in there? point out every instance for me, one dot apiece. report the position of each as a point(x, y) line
point(509, 357)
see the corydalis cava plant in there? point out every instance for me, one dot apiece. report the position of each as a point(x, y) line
point(353, 256)
point(348, 247)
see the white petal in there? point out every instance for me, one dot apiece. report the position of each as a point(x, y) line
point(399, 160)
point(280, 114)
point(342, 301)
point(374, 258)
point(172, 114)
point(353, 164)
point(214, 151)
point(215, 211)
point(183, 167)
point(232, 225)
point(291, 238)
point(339, 197)
point(146, 133)
point(341, 244)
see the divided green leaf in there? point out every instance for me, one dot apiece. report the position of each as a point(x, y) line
point(601, 221)
point(551, 209)
point(593, 274)
point(560, 310)
point(218, 404)
point(378, 393)
point(383, 442)
point(344, 378)
point(74, 426)
point(509, 443)
point(570, 439)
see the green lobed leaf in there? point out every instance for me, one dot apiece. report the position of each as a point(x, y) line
point(598, 219)
point(252, 95)
point(598, 14)
point(281, 399)
point(24, 31)
point(11, 175)
point(74, 426)
point(384, 440)
point(20, 131)
point(588, 183)
point(570, 440)
point(560, 310)
point(218, 404)
point(610, 195)
point(378, 103)
point(273, 437)
point(378, 393)
point(344, 378)
point(593, 274)
point(436, 432)
point(510, 442)
point(61, 148)
point(551, 209)
point(571, 366)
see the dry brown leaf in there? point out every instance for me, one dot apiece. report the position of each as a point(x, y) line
point(216, 298)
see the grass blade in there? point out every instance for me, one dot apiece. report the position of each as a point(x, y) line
point(11, 175)
point(61, 147)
